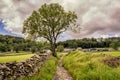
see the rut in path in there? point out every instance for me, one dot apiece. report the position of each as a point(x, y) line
point(61, 73)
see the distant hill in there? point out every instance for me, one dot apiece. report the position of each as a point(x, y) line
point(11, 43)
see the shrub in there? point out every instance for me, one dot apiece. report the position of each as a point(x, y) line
point(114, 45)
point(60, 48)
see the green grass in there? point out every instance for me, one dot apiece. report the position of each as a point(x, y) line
point(46, 72)
point(86, 66)
point(14, 53)
point(14, 57)
point(114, 53)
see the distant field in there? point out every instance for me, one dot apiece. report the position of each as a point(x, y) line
point(114, 53)
point(14, 57)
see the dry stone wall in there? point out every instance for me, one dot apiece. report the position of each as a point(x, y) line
point(14, 70)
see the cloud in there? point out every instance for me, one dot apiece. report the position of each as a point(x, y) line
point(95, 17)
point(14, 12)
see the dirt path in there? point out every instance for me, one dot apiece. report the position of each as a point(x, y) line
point(61, 73)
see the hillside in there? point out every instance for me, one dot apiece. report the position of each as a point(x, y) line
point(16, 44)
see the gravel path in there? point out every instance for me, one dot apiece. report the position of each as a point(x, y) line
point(61, 73)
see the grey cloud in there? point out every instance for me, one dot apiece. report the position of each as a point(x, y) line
point(98, 18)
point(14, 12)
point(95, 17)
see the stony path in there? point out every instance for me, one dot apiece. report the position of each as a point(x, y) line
point(61, 73)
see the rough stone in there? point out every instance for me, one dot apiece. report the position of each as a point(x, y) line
point(112, 61)
point(14, 70)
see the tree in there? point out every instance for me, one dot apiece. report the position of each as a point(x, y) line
point(60, 48)
point(49, 22)
point(3, 47)
point(115, 45)
point(33, 49)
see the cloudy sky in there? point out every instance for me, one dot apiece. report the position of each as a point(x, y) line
point(96, 17)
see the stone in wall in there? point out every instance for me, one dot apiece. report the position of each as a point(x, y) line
point(14, 70)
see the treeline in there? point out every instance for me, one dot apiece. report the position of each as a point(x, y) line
point(92, 43)
point(16, 44)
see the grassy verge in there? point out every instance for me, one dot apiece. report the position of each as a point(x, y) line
point(9, 58)
point(86, 66)
point(46, 72)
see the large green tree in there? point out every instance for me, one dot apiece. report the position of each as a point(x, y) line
point(49, 22)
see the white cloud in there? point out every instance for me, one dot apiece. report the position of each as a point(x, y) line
point(14, 12)
point(95, 17)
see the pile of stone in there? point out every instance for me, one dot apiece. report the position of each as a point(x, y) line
point(113, 61)
point(14, 70)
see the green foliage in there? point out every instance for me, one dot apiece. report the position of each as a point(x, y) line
point(86, 66)
point(33, 49)
point(46, 72)
point(90, 43)
point(115, 45)
point(49, 22)
point(16, 44)
point(49, 18)
point(60, 48)
point(3, 47)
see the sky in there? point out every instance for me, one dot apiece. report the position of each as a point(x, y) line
point(4, 31)
point(95, 17)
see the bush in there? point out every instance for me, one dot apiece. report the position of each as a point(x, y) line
point(33, 49)
point(114, 45)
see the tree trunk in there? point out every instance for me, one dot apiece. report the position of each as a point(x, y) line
point(53, 49)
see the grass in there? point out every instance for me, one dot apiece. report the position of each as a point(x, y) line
point(86, 66)
point(46, 72)
point(14, 53)
point(14, 57)
point(114, 53)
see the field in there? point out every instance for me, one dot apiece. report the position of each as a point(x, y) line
point(80, 65)
point(114, 53)
point(14, 57)
point(86, 66)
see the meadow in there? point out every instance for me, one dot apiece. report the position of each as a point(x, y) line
point(14, 57)
point(80, 65)
point(87, 66)
point(114, 53)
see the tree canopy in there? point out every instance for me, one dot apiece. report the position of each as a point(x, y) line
point(84, 43)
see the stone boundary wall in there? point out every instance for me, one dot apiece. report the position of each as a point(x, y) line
point(14, 70)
